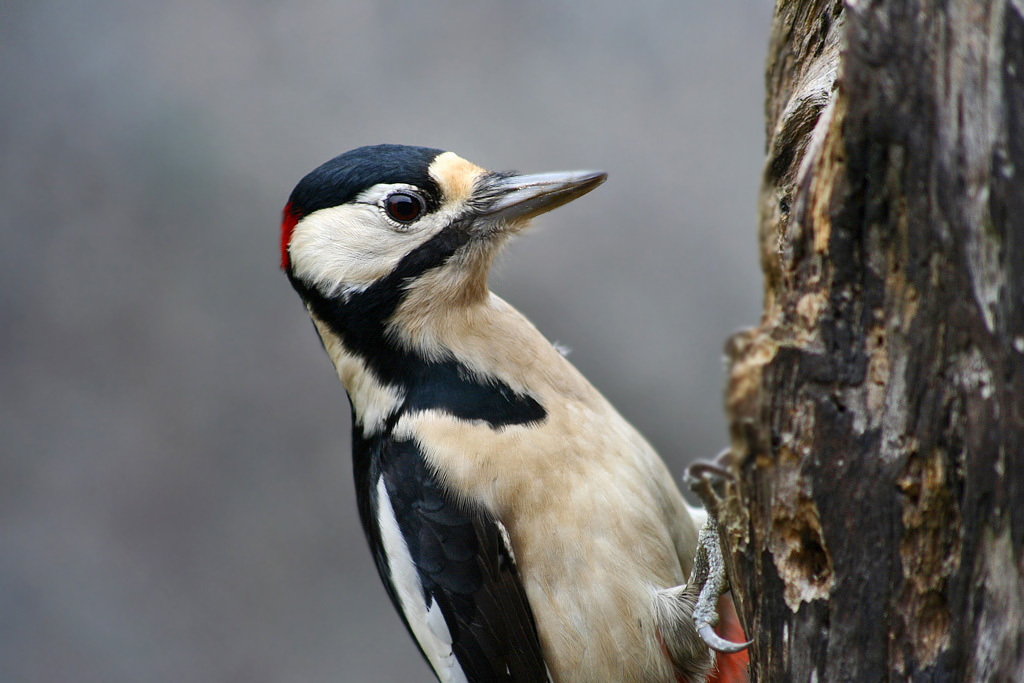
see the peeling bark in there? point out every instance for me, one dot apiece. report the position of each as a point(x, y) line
point(876, 524)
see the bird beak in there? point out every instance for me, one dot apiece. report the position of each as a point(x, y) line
point(511, 198)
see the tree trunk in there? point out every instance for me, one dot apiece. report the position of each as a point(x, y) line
point(876, 525)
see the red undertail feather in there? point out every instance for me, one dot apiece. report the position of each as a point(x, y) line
point(730, 668)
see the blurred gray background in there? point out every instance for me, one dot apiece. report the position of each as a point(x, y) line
point(175, 488)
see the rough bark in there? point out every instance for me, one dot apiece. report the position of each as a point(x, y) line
point(876, 523)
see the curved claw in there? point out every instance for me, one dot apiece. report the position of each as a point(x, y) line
point(719, 644)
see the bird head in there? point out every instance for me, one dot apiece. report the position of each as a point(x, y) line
point(411, 218)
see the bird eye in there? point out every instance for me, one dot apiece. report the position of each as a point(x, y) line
point(404, 207)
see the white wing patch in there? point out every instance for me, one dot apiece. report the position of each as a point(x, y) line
point(505, 540)
point(426, 621)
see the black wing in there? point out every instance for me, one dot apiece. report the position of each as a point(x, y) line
point(462, 564)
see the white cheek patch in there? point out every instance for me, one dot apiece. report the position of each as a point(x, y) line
point(349, 247)
point(425, 620)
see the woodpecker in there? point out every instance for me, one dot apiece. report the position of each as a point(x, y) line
point(522, 528)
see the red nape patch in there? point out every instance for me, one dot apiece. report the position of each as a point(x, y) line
point(289, 218)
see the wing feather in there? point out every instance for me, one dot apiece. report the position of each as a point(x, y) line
point(450, 572)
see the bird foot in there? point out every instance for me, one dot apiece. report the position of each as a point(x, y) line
point(709, 565)
point(715, 582)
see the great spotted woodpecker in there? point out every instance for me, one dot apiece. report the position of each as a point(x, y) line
point(523, 529)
